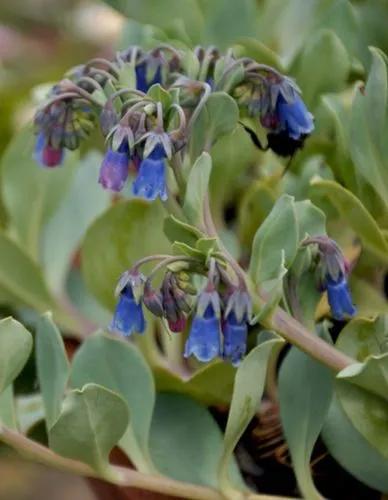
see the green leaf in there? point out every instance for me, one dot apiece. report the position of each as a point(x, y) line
point(217, 118)
point(52, 367)
point(22, 177)
point(197, 188)
point(225, 24)
point(256, 204)
point(92, 421)
point(355, 214)
point(247, 393)
point(108, 248)
point(366, 404)
point(187, 14)
point(368, 128)
point(7, 408)
point(352, 451)
point(364, 337)
point(15, 349)
point(277, 234)
point(305, 392)
point(371, 375)
point(212, 384)
point(324, 65)
point(30, 411)
point(176, 230)
point(21, 277)
point(118, 366)
point(159, 94)
point(311, 220)
point(83, 202)
point(186, 442)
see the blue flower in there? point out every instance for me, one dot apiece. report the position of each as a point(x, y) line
point(294, 117)
point(339, 298)
point(151, 179)
point(141, 77)
point(128, 316)
point(235, 339)
point(45, 154)
point(115, 168)
point(204, 336)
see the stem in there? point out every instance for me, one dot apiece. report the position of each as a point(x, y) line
point(117, 475)
point(167, 261)
point(149, 258)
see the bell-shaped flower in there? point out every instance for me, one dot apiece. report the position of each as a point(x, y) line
point(235, 339)
point(150, 182)
point(204, 337)
point(339, 297)
point(115, 168)
point(128, 317)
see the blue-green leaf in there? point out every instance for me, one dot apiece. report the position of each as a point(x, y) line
point(186, 442)
point(92, 421)
point(305, 392)
point(247, 394)
point(52, 366)
point(119, 366)
point(15, 349)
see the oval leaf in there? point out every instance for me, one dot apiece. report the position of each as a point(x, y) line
point(197, 187)
point(91, 422)
point(187, 456)
point(119, 366)
point(15, 349)
point(355, 214)
point(52, 367)
point(126, 232)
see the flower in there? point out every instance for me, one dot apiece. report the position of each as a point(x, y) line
point(332, 274)
point(339, 298)
point(115, 168)
point(128, 316)
point(204, 336)
point(151, 179)
point(141, 77)
point(293, 116)
point(235, 339)
point(286, 117)
point(45, 154)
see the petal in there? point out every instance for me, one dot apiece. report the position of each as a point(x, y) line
point(204, 339)
point(150, 181)
point(114, 170)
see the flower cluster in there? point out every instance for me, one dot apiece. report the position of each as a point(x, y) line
point(332, 275)
point(144, 127)
point(218, 319)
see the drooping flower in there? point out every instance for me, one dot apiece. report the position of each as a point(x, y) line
point(115, 168)
point(333, 271)
point(142, 81)
point(175, 304)
point(286, 117)
point(204, 336)
point(294, 117)
point(46, 155)
point(235, 339)
point(150, 182)
point(128, 317)
point(339, 297)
